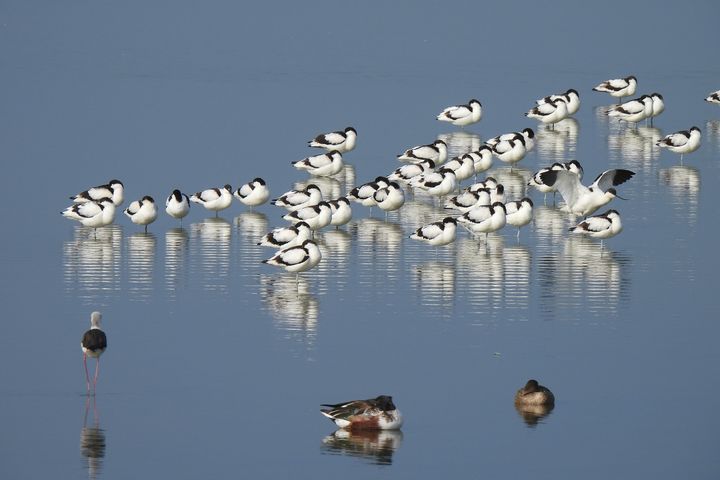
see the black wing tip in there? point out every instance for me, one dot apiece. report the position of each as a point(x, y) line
point(549, 178)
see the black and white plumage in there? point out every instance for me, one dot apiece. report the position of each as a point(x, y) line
point(316, 216)
point(287, 237)
point(93, 344)
point(484, 219)
point(297, 199)
point(511, 150)
point(177, 205)
point(582, 200)
point(341, 211)
point(536, 179)
point(682, 142)
point(602, 226)
point(482, 159)
point(214, 199)
point(633, 111)
point(377, 413)
point(342, 141)
point(714, 97)
point(490, 183)
point(618, 87)
point(658, 105)
point(390, 198)
point(438, 183)
point(407, 172)
point(462, 115)
point(114, 190)
point(142, 212)
point(463, 166)
point(93, 214)
point(323, 165)
point(527, 133)
point(299, 258)
point(467, 200)
point(519, 213)
point(571, 97)
point(253, 193)
point(549, 113)
point(364, 194)
point(436, 151)
point(438, 233)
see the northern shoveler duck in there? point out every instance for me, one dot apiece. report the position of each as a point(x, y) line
point(534, 394)
point(377, 413)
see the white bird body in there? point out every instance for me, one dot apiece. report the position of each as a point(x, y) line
point(438, 233)
point(462, 115)
point(297, 199)
point(253, 193)
point(142, 212)
point(510, 151)
point(436, 151)
point(114, 190)
point(287, 237)
point(390, 198)
point(527, 133)
point(316, 216)
point(438, 183)
point(658, 105)
point(299, 258)
point(714, 97)
point(519, 213)
point(490, 183)
point(497, 194)
point(323, 165)
point(682, 142)
point(214, 199)
point(482, 159)
point(407, 172)
point(602, 226)
point(364, 194)
point(582, 200)
point(571, 97)
point(467, 200)
point(177, 204)
point(484, 219)
point(93, 214)
point(343, 141)
point(618, 87)
point(550, 112)
point(341, 212)
point(634, 110)
point(536, 180)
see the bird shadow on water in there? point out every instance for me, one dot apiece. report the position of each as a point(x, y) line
point(374, 446)
point(93, 443)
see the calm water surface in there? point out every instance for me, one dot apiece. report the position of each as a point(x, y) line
point(217, 363)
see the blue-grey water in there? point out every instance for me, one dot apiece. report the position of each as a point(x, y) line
point(217, 363)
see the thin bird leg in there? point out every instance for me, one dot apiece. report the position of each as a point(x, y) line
point(97, 370)
point(87, 374)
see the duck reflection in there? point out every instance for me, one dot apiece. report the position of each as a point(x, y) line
point(293, 307)
point(636, 146)
point(176, 250)
point(141, 264)
point(684, 185)
point(514, 180)
point(533, 414)
point(460, 143)
point(92, 442)
point(92, 264)
point(210, 253)
point(558, 144)
point(375, 446)
point(583, 275)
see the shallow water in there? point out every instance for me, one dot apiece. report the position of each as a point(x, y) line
point(217, 363)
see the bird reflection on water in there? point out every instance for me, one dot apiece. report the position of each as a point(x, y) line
point(532, 415)
point(459, 143)
point(375, 446)
point(92, 264)
point(140, 265)
point(176, 251)
point(92, 441)
point(635, 146)
point(558, 144)
point(210, 253)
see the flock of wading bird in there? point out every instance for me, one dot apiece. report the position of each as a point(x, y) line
point(481, 208)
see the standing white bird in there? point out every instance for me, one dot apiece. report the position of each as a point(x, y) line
point(602, 226)
point(253, 193)
point(438, 183)
point(571, 97)
point(463, 166)
point(633, 111)
point(510, 151)
point(297, 199)
point(390, 198)
point(536, 180)
point(93, 344)
point(406, 172)
point(582, 200)
point(549, 113)
point(682, 142)
point(714, 97)
point(482, 159)
point(93, 214)
point(658, 106)
point(462, 115)
point(438, 233)
point(436, 151)
point(467, 200)
point(618, 87)
point(341, 212)
point(316, 216)
point(297, 259)
point(323, 165)
point(114, 190)
point(484, 219)
point(214, 199)
point(497, 194)
point(519, 213)
point(142, 212)
point(527, 133)
point(343, 141)
point(364, 194)
point(177, 205)
point(287, 237)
